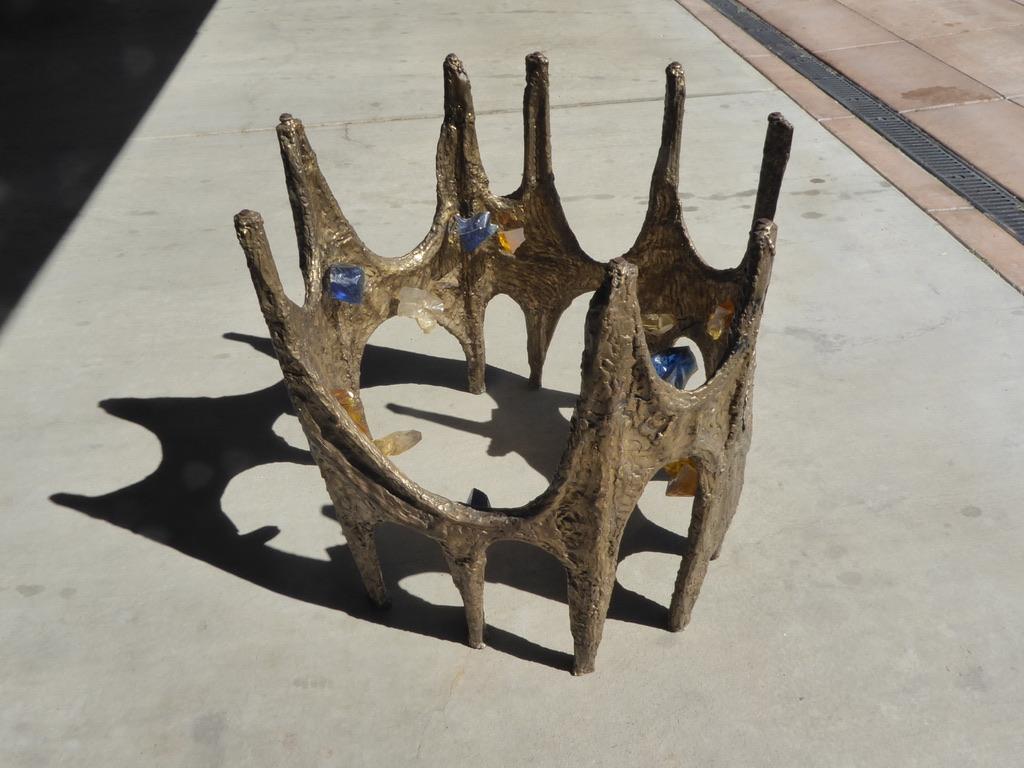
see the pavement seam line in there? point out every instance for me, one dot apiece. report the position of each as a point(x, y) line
point(930, 107)
point(439, 116)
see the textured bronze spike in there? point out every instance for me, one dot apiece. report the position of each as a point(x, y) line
point(471, 180)
point(548, 235)
point(298, 185)
point(536, 124)
point(320, 226)
point(627, 424)
point(472, 193)
point(666, 171)
point(457, 99)
point(663, 229)
point(777, 141)
point(614, 383)
point(444, 166)
point(253, 238)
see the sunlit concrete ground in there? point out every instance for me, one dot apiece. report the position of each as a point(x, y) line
point(865, 610)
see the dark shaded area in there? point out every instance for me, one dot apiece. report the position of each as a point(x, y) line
point(77, 77)
point(541, 445)
point(208, 441)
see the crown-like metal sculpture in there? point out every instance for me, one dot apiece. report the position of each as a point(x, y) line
point(632, 418)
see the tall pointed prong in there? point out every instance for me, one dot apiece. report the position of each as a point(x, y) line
point(252, 237)
point(537, 168)
point(458, 98)
point(664, 220)
point(320, 226)
point(665, 179)
point(777, 141)
point(470, 179)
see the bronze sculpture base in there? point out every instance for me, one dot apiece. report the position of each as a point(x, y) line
point(628, 422)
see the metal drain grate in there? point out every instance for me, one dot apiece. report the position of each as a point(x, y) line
point(988, 196)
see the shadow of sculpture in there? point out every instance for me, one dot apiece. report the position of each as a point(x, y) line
point(539, 442)
point(207, 441)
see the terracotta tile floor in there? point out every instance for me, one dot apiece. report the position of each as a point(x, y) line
point(917, 19)
point(905, 77)
point(954, 67)
point(994, 57)
point(824, 23)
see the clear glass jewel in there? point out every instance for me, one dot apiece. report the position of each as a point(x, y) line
point(422, 306)
point(658, 323)
point(511, 239)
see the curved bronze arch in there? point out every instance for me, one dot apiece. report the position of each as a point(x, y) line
point(627, 424)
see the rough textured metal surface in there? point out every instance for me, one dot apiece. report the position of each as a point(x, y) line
point(627, 423)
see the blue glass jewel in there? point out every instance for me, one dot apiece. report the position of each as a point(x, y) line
point(346, 282)
point(675, 365)
point(475, 230)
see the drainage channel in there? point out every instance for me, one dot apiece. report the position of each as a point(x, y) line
point(988, 196)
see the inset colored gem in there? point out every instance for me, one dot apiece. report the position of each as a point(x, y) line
point(398, 442)
point(511, 239)
point(720, 318)
point(675, 365)
point(475, 230)
point(346, 282)
point(684, 476)
point(478, 500)
point(349, 401)
point(422, 306)
point(657, 324)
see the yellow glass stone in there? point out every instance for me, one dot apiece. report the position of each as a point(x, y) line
point(684, 478)
point(350, 402)
point(720, 319)
point(398, 442)
point(511, 239)
point(658, 323)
